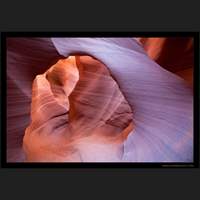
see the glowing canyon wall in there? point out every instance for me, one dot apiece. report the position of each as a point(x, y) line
point(107, 102)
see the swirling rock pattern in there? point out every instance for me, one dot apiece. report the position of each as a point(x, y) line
point(114, 105)
point(174, 54)
point(77, 108)
point(26, 58)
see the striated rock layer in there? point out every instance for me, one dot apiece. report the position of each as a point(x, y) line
point(175, 54)
point(26, 58)
point(116, 104)
point(77, 114)
point(162, 101)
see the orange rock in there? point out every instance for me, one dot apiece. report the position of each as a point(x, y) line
point(78, 114)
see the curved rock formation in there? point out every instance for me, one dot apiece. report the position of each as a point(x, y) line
point(77, 114)
point(175, 54)
point(26, 58)
point(115, 104)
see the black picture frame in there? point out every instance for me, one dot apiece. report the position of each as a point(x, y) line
point(5, 164)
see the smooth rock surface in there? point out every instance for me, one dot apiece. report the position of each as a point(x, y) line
point(162, 103)
point(77, 114)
